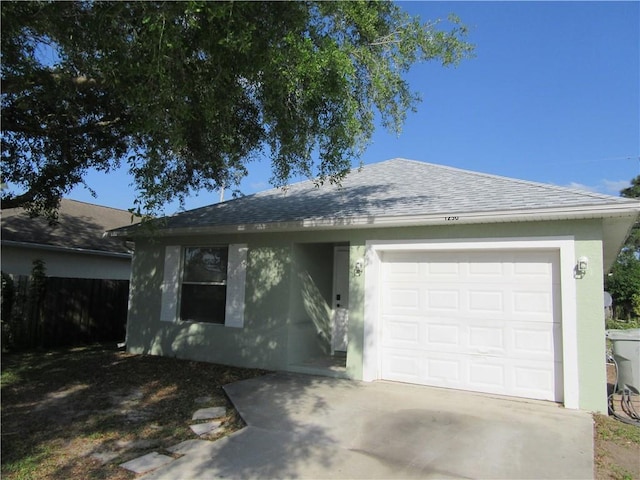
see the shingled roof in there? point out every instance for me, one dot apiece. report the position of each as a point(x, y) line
point(80, 226)
point(398, 192)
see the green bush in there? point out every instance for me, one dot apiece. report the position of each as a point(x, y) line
point(635, 304)
point(617, 324)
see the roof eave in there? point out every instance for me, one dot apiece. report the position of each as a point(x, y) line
point(443, 218)
point(57, 248)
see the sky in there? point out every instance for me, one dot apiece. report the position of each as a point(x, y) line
point(551, 96)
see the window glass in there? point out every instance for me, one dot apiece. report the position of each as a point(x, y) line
point(203, 303)
point(205, 264)
point(204, 284)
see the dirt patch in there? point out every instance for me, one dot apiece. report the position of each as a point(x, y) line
point(617, 444)
point(617, 449)
point(79, 413)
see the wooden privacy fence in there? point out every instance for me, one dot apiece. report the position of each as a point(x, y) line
point(64, 311)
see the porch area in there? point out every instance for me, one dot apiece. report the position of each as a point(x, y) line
point(318, 332)
point(325, 365)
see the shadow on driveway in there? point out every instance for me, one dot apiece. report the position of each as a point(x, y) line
point(314, 427)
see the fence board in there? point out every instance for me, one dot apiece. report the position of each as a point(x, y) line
point(73, 311)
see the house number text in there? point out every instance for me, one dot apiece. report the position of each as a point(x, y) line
point(451, 219)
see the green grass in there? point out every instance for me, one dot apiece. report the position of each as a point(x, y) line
point(9, 377)
point(59, 407)
point(29, 461)
point(609, 428)
point(617, 449)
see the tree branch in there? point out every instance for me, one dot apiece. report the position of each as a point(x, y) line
point(19, 83)
point(39, 130)
point(17, 201)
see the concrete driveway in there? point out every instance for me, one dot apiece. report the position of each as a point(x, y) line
point(314, 427)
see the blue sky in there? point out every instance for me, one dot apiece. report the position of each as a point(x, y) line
point(552, 96)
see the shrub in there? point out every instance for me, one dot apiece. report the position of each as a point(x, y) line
point(618, 324)
point(635, 304)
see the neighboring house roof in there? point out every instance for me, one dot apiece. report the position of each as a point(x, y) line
point(80, 227)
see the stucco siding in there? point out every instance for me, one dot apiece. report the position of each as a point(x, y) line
point(278, 264)
point(19, 261)
point(591, 328)
point(260, 343)
point(355, 349)
point(311, 303)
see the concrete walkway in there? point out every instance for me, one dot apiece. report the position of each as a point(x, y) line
point(314, 427)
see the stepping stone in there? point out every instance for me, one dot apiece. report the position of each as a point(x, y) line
point(104, 457)
point(208, 413)
point(189, 446)
point(147, 462)
point(137, 444)
point(204, 428)
point(201, 400)
point(136, 416)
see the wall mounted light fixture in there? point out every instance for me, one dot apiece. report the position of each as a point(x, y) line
point(582, 265)
point(359, 267)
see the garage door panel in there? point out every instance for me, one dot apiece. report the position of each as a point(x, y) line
point(488, 322)
point(537, 300)
point(402, 365)
point(512, 377)
point(442, 299)
point(531, 304)
point(403, 332)
point(403, 299)
point(495, 269)
point(533, 343)
point(486, 375)
point(484, 301)
point(443, 334)
point(533, 268)
point(404, 270)
point(441, 269)
point(487, 337)
point(409, 333)
point(533, 381)
point(444, 369)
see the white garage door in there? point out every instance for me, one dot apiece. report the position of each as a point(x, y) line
point(481, 321)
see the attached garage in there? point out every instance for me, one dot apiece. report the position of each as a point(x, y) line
point(479, 316)
point(486, 322)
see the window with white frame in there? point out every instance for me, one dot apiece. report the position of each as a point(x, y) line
point(204, 284)
point(203, 296)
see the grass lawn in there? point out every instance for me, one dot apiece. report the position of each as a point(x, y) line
point(617, 449)
point(61, 408)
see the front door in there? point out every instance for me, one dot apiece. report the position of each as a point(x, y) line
point(339, 331)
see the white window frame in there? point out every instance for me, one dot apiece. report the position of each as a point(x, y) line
point(236, 279)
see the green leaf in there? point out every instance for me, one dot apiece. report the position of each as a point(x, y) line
point(188, 94)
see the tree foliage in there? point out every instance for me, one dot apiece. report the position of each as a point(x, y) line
point(623, 282)
point(187, 93)
point(633, 240)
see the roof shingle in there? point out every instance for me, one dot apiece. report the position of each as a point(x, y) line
point(391, 188)
point(80, 225)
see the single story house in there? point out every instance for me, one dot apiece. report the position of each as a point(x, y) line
point(74, 247)
point(408, 271)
